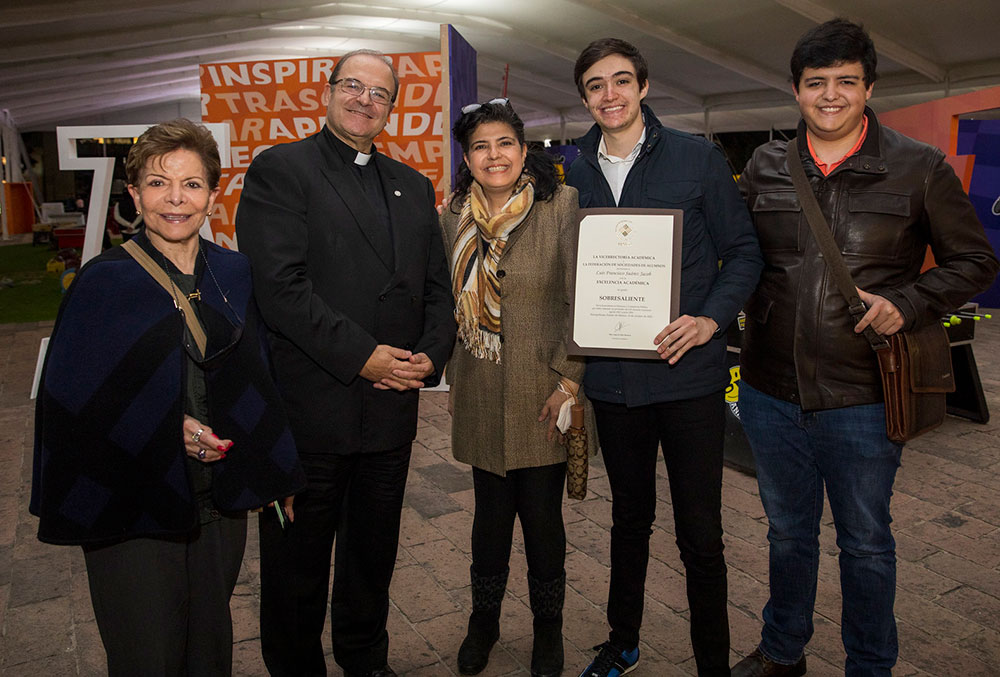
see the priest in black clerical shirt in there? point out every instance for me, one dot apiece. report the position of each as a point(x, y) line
point(352, 280)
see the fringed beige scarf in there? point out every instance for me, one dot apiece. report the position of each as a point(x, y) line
point(474, 282)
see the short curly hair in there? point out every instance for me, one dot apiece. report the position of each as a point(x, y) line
point(166, 137)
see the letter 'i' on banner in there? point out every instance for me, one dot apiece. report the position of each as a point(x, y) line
point(265, 103)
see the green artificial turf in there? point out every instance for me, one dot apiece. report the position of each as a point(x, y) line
point(27, 292)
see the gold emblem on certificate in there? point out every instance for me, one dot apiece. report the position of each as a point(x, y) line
point(627, 280)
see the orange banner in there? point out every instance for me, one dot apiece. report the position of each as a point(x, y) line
point(270, 102)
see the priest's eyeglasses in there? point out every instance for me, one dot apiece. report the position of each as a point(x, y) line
point(353, 87)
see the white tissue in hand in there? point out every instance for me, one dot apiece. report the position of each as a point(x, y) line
point(565, 415)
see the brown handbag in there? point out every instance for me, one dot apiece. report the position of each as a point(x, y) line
point(577, 460)
point(915, 365)
point(916, 377)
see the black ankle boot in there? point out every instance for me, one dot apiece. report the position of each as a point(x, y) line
point(547, 599)
point(484, 622)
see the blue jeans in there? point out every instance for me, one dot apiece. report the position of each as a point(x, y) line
point(797, 453)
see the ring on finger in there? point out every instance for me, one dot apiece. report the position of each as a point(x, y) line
point(201, 454)
point(197, 435)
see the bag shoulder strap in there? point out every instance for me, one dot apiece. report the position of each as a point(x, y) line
point(827, 246)
point(180, 300)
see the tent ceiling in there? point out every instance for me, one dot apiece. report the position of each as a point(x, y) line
point(721, 64)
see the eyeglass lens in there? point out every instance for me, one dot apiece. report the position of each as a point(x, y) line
point(356, 88)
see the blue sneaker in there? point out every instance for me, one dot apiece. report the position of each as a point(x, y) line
point(611, 661)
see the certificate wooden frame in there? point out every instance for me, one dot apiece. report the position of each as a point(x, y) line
point(626, 280)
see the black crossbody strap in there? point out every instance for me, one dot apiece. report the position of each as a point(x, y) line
point(827, 246)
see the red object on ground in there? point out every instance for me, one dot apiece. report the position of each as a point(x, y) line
point(69, 237)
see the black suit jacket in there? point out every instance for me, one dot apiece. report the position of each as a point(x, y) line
point(329, 296)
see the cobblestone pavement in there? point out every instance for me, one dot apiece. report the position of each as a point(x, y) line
point(947, 523)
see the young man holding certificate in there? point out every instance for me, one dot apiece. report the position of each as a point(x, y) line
point(629, 160)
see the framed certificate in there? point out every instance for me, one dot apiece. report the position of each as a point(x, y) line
point(627, 280)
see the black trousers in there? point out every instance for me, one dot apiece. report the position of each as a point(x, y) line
point(162, 604)
point(691, 433)
point(356, 499)
point(534, 495)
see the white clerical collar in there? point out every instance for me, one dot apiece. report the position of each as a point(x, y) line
point(363, 158)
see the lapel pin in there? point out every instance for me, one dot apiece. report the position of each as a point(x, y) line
point(397, 193)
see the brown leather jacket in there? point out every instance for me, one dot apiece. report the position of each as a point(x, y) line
point(884, 205)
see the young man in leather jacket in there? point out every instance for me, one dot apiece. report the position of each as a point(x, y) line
point(811, 397)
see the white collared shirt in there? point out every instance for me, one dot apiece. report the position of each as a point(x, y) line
point(616, 169)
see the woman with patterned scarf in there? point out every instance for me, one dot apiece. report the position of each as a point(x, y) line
point(509, 227)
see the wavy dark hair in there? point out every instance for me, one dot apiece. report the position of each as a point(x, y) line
point(835, 42)
point(539, 164)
